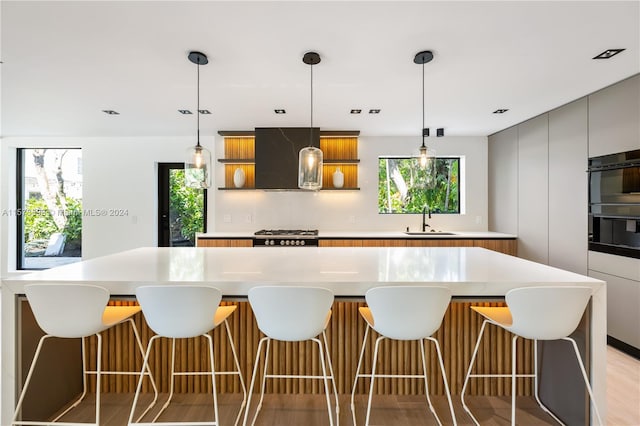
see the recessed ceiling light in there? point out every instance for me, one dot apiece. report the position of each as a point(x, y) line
point(204, 111)
point(501, 111)
point(609, 53)
point(279, 111)
point(110, 112)
point(374, 111)
point(184, 111)
point(356, 111)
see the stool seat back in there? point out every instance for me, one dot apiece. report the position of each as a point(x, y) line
point(179, 311)
point(408, 312)
point(546, 312)
point(68, 310)
point(291, 313)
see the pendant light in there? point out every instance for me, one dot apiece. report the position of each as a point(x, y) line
point(197, 168)
point(427, 155)
point(310, 158)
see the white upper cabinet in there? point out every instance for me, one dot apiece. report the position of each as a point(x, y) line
point(568, 192)
point(503, 181)
point(614, 118)
point(533, 189)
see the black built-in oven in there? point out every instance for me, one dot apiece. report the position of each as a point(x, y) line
point(614, 204)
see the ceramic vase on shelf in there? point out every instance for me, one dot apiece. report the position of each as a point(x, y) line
point(338, 178)
point(238, 178)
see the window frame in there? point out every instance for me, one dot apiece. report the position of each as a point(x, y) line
point(20, 201)
point(460, 158)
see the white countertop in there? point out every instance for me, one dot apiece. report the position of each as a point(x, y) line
point(468, 271)
point(373, 234)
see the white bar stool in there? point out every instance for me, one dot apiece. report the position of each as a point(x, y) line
point(78, 311)
point(292, 314)
point(537, 313)
point(404, 313)
point(186, 311)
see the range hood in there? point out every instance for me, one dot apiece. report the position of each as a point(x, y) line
point(276, 151)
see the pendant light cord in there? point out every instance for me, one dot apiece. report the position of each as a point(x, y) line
point(311, 109)
point(423, 104)
point(198, 106)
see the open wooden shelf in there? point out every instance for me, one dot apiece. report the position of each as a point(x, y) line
point(338, 151)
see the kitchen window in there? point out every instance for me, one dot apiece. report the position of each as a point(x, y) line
point(49, 207)
point(403, 188)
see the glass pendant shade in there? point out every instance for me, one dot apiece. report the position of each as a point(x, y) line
point(197, 168)
point(428, 164)
point(310, 168)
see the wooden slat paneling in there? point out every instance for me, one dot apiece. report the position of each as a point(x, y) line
point(507, 246)
point(206, 242)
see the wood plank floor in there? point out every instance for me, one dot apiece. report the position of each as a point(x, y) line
point(311, 410)
point(623, 399)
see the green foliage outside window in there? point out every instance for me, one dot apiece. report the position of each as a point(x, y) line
point(404, 187)
point(186, 206)
point(39, 224)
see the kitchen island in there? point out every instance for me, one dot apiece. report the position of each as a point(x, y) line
point(474, 275)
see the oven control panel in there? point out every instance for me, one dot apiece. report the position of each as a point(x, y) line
point(284, 242)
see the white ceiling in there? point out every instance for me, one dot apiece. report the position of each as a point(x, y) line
point(65, 62)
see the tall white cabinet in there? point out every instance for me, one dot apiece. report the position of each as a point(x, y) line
point(614, 118)
point(533, 187)
point(503, 181)
point(548, 196)
point(568, 182)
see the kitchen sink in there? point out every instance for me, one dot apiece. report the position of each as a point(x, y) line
point(427, 233)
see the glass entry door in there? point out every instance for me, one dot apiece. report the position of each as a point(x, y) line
point(182, 211)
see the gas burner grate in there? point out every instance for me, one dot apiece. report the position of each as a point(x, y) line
point(288, 232)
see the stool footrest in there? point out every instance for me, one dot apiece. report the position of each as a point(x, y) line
point(390, 376)
point(173, 423)
point(35, 423)
point(502, 375)
point(118, 373)
point(289, 376)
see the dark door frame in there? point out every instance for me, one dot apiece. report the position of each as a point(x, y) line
point(164, 234)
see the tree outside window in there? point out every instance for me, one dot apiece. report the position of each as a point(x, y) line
point(405, 187)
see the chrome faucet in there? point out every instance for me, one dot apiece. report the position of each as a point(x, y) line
point(424, 219)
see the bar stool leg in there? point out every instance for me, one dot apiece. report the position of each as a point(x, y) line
point(355, 382)
point(333, 377)
point(444, 379)
point(513, 379)
point(171, 381)
point(253, 381)
point(585, 377)
point(466, 379)
point(535, 384)
point(213, 378)
point(426, 381)
point(148, 369)
point(28, 379)
point(239, 372)
point(145, 362)
point(324, 379)
point(98, 377)
point(373, 376)
point(84, 384)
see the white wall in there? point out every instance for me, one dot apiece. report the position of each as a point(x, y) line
point(118, 173)
point(356, 210)
point(121, 173)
